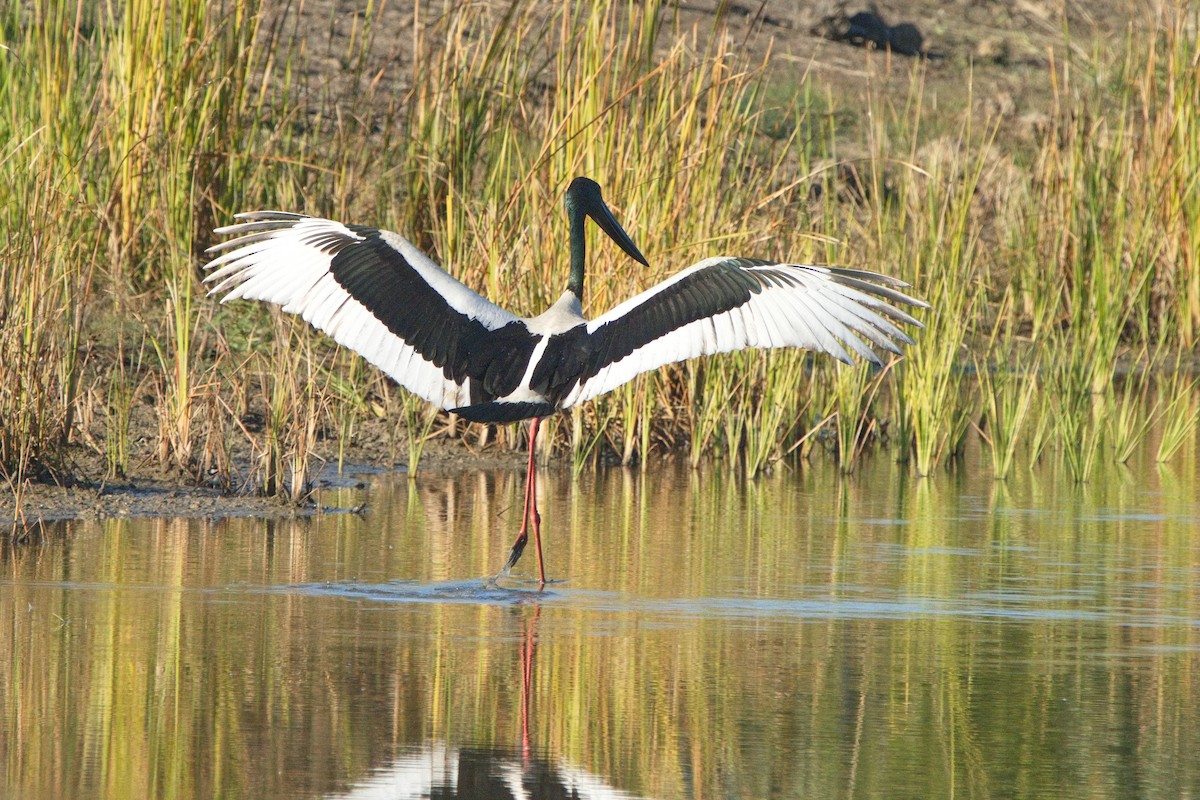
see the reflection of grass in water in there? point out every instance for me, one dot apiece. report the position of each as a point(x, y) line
point(133, 131)
point(221, 630)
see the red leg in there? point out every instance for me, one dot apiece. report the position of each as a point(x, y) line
point(534, 516)
point(529, 512)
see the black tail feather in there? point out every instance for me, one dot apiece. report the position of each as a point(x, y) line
point(497, 411)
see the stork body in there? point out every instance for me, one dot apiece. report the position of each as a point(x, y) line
point(377, 294)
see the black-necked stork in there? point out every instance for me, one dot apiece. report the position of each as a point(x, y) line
point(377, 294)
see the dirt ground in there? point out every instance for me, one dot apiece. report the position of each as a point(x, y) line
point(154, 489)
point(994, 54)
point(990, 56)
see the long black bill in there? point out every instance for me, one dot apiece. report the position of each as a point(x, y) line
point(603, 217)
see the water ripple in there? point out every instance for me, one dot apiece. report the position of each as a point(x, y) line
point(1013, 606)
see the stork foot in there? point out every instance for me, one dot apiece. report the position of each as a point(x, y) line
point(514, 555)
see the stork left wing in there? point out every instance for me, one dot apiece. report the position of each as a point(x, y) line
point(725, 304)
point(377, 294)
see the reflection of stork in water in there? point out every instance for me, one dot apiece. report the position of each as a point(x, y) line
point(478, 773)
point(487, 773)
point(376, 294)
point(528, 649)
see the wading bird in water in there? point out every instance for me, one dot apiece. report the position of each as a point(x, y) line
point(377, 294)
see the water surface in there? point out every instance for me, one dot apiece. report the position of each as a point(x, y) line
point(801, 635)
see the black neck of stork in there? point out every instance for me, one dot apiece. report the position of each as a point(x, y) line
point(584, 200)
point(576, 217)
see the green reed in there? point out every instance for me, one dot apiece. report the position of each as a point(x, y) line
point(776, 416)
point(1009, 384)
point(347, 400)
point(108, 112)
point(118, 404)
point(633, 406)
point(1179, 392)
point(1132, 412)
point(419, 417)
point(45, 269)
point(712, 393)
point(937, 403)
point(296, 394)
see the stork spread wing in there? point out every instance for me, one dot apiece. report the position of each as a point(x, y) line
point(724, 304)
point(377, 294)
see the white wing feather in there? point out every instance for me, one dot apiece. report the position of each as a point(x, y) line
point(816, 312)
point(281, 261)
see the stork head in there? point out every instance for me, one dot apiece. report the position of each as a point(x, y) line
point(584, 199)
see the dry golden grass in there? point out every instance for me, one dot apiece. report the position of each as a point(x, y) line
point(131, 132)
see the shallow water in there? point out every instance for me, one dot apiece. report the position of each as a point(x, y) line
point(802, 635)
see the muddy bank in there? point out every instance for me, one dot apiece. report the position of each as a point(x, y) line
point(152, 489)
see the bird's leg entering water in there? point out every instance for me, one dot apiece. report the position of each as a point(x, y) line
point(530, 512)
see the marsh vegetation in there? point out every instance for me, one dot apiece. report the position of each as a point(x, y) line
point(1063, 270)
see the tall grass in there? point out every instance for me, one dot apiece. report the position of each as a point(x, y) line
point(131, 130)
point(937, 401)
point(1009, 384)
